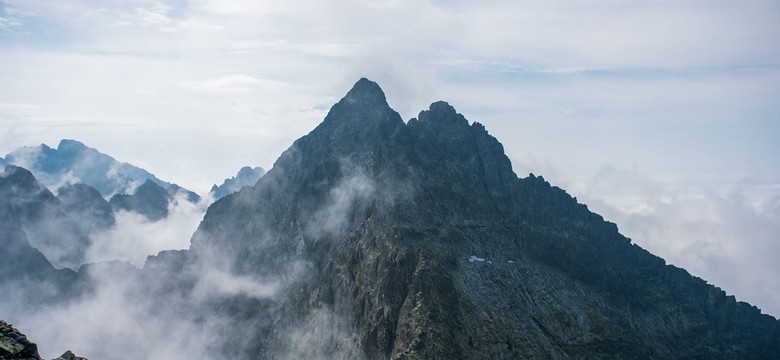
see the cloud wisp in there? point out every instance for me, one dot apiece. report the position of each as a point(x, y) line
point(134, 237)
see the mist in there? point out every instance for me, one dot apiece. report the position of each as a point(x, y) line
point(134, 237)
point(724, 232)
point(145, 294)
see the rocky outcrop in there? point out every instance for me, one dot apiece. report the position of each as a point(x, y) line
point(14, 345)
point(68, 355)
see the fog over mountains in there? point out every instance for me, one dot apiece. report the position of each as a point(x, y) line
point(73, 162)
point(86, 206)
point(370, 237)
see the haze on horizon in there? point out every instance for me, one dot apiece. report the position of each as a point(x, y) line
point(660, 115)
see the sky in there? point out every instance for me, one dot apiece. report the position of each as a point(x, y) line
point(661, 115)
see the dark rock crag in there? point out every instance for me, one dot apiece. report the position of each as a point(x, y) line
point(417, 240)
point(14, 345)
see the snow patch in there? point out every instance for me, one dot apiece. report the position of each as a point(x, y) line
point(474, 258)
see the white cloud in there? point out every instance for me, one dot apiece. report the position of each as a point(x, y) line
point(134, 237)
point(15, 106)
point(112, 321)
point(235, 83)
point(726, 234)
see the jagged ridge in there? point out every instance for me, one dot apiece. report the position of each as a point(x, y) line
point(389, 218)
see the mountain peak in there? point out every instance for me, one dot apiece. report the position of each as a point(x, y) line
point(362, 110)
point(366, 91)
point(443, 114)
point(69, 144)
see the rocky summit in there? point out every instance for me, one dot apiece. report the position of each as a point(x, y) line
point(394, 240)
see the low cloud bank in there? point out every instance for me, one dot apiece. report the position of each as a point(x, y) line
point(727, 234)
point(134, 237)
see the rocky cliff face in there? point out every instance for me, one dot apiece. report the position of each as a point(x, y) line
point(417, 240)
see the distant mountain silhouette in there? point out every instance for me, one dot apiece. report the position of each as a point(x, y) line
point(73, 162)
point(33, 215)
point(149, 200)
point(246, 176)
point(86, 203)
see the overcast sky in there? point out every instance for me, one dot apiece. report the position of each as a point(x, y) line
point(650, 111)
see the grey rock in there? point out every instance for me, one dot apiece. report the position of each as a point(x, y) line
point(68, 355)
point(385, 216)
point(14, 345)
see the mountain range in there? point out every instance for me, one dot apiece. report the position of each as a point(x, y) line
point(73, 162)
point(374, 238)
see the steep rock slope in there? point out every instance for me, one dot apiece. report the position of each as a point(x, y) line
point(417, 240)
